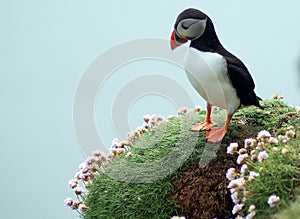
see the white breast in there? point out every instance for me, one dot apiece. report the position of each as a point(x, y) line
point(207, 73)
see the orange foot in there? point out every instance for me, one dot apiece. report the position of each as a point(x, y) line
point(216, 134)
point(202, 126)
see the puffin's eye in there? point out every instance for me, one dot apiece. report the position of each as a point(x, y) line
point(185, 26)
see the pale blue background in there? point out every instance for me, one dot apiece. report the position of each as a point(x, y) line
point(45, 46)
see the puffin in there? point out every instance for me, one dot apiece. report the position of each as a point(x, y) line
point(217, 75)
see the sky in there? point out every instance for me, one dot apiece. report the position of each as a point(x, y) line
point(47, 46)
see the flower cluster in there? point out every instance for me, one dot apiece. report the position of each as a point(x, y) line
point(253, 150)
point(88, 170)
point(150, 122)
point(277, 97)
point(185, 110)
point(238, 179)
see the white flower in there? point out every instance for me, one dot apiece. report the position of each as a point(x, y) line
point(170, 117)
point(231, 174)
point(73, 183)
point(249, 143)
point(263, 134)
point(253, 175)
point(260, 145)
point(75, 204)
point(239, 217)
point(129, 154)
point(273, 140)
point(97, 153)
point(115, 143)
point(237, 183)
point(251, 215)
point(273, 200)
point(290, 134)
point(232, 148)
point(83, 166)
point(235, 198)
point(182, 111)
point(242, 151)
point(262, 156)
point(244, 168)
point(91, 159)
point(237, 208)
point(284, 151)
point(77, 175)
point(251, 208)
point(242, 158)
point(197, 108)
point(68, 202)
point(233, 190)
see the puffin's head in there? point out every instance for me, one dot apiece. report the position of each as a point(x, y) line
point(190, 25)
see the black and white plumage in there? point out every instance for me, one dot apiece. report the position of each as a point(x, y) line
point(216, 74)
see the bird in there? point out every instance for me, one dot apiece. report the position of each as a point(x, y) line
point(217, 75)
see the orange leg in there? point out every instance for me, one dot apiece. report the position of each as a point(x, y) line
point(216, 134)
point(207, 124)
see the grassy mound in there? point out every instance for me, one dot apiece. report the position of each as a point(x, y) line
point(172, 171)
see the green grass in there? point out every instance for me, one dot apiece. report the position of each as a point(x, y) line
point(140, 186)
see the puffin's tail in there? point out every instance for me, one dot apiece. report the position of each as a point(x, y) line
point(257, 102)
point(251, 99)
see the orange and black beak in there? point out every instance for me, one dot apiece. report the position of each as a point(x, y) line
point(177, 40)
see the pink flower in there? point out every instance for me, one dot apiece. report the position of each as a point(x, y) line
point(231, 174)
point(253, 175)
point(242, 158)
point(78, 190)
point(235, 197)
point(129, 154)
point(273, 200)
point(249, 143)
point(73, 183)
point(232, 148)
point(251, 215)
point(262, 135)
point(82, 207)
point(237, 208)
point(237, 183)
point(262, 156)
point(251, 208)
point(68, 202)
point(244, 168)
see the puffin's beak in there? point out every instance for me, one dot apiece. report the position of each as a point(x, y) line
point(177, 40)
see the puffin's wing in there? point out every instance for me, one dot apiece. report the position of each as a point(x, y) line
point(242, 81)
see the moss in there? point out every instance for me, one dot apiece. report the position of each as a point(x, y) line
point(292, 211)
point(173, 171)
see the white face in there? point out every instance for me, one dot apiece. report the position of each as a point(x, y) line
point(191, 28)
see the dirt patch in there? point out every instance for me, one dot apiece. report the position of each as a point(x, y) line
point(201, 192)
